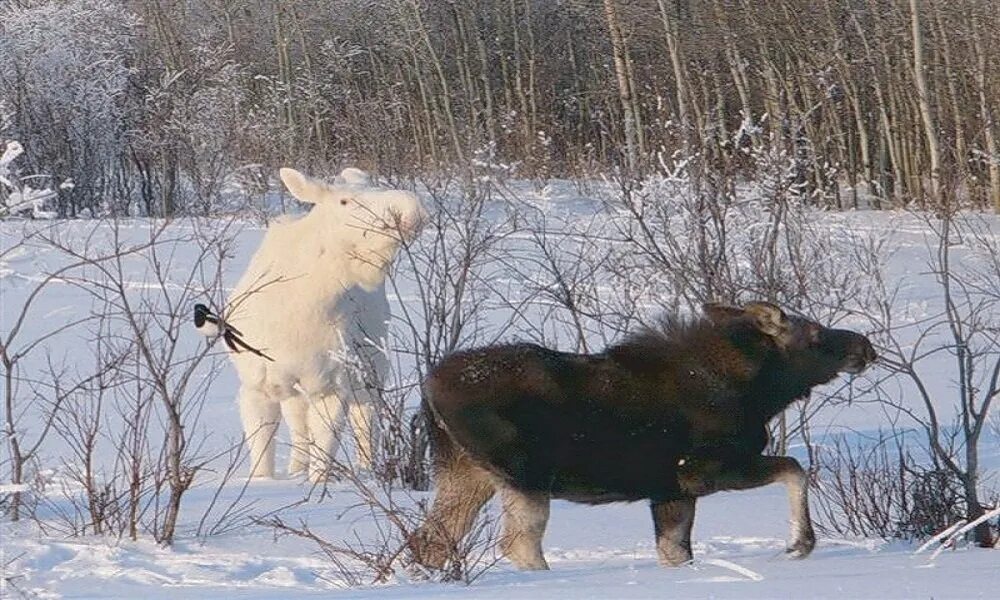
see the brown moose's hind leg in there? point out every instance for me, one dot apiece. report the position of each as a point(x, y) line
point(672, 522)
point(700, 480)
point(525, 515)
point(462, 490)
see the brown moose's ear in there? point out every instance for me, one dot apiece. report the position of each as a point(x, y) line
point(721, 314)
point(769, 318)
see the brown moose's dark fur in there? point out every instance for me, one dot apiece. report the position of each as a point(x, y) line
point(668, 415)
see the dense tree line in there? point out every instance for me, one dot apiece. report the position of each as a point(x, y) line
point(165, 106)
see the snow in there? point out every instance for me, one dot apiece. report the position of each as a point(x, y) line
point(594, 552)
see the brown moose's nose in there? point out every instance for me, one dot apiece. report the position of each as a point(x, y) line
point(864, 356)
point(863, 349)
point(860, 355)
point(869, 352)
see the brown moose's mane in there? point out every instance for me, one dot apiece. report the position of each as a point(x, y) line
point(667, 332)
point(736, 347)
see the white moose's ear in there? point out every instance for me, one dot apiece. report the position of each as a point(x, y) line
point(302, 187)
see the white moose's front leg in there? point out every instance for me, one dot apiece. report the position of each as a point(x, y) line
point(325, 418)
point(295, 411)
point(260, 416)
point(364, 425)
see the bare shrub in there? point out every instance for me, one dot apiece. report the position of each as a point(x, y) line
point(879, 489)
point(700, 233)
point(956, 341)
point(449, 267)
point(395, 516)
point(561, 260)
point(133, 424)
point(20, 341)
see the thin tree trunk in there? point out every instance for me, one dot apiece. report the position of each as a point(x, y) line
point(13, 441)
point(484, 79)
point(624, 91)
point(532, 101)
point(284, 68)
point(522, 97)
point(508, 95)
point(640, 136)
point(891, 170)
point(986, 115)
point(445, 95)
point(672, 33)
point(923, 99)
point(950, 77)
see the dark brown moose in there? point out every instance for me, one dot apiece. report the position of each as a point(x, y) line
point(668, 415)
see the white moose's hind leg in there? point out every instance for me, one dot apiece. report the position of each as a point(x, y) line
point(364, 425)
point(326, 418)
point(260, 416)
point(295, 411)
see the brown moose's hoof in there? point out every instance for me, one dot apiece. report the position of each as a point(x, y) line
point(801, 547)
point(531, 566)
point(675, 558)
point(428, 551)
point(526, 557)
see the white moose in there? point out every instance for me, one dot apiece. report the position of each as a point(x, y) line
point(313, 298)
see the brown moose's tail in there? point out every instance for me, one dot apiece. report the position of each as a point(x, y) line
point(443, 449)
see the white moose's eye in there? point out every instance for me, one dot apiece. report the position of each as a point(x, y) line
point(344, 201)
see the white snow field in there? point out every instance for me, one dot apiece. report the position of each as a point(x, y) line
point(594, 552)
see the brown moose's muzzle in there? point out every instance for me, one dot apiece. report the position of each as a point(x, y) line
point(862, 354)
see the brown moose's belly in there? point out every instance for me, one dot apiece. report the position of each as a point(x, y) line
point(591, 492)
point(590, 473)
point(600, 483)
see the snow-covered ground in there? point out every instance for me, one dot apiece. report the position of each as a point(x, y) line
point(594, 552)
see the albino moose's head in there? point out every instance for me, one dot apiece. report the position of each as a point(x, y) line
point(353, 203)
point(358, 221)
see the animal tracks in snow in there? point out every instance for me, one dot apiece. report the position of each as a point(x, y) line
point(743, 572)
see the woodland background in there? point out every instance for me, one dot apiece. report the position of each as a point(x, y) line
point(163, 107)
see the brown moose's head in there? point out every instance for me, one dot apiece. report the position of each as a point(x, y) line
point(819, 353)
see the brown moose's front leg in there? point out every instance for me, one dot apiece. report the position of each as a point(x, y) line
point(672, 522)
point(525, 515)
point(703, 477)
